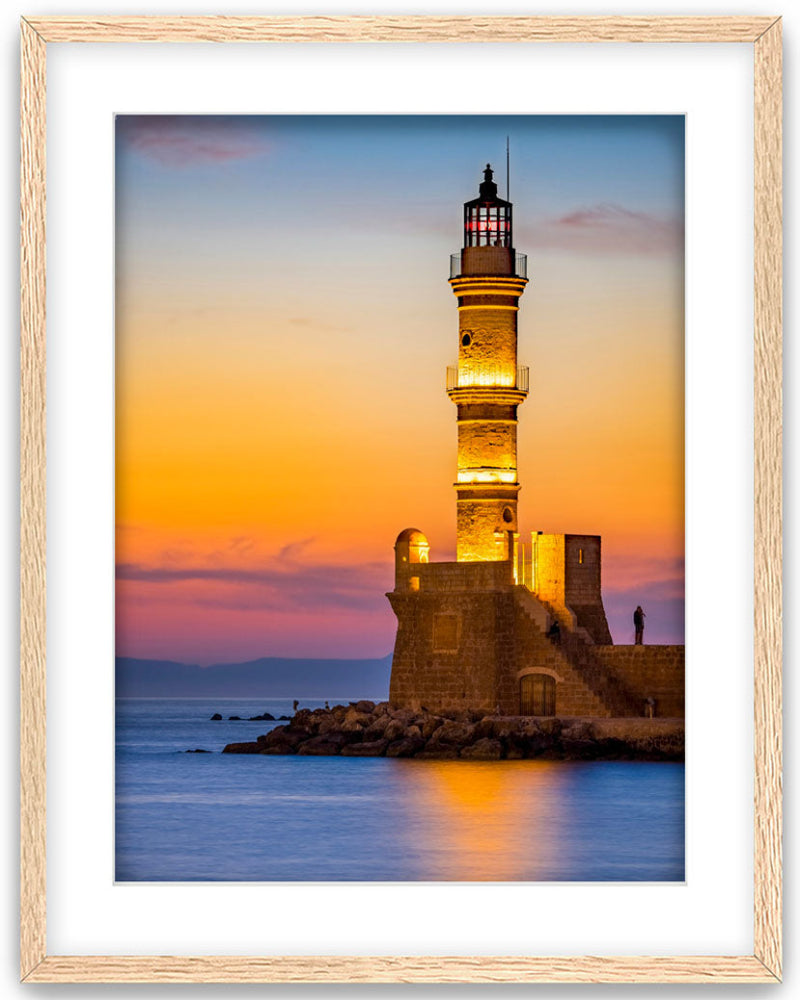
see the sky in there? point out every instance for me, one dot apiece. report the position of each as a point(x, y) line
point(283, 328)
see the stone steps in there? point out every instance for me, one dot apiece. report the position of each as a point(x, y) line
point(604, 694)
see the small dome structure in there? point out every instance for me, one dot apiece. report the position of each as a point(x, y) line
point(411, 546)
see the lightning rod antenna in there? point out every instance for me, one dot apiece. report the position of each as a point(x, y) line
point(508, 172)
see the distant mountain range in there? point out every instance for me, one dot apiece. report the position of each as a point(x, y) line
point(271, 677)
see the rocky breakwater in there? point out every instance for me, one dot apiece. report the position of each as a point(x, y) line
point(364, 729)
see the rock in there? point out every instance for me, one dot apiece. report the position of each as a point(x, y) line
point(413, 733)
point(328, 745)
point(264, 717)
point(485, 749)
point(356, 720)
point(367, 707)
point(405, 716)
point(452, 734)
point(382, 708)
point(284, 718)
point(457, 714)
point(242, 748)
point(330, 725)
point(287, 737)
point(429, 726)
point(234, 718)
point(440, 752)
point(406, 747)
point(374, 749)
point(304, 720)
point(476, 714)
point(377, 728)
point(198, 750)
point(216, 717)
point(394, 730)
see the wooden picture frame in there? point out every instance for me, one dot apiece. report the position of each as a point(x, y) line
point(764, 965)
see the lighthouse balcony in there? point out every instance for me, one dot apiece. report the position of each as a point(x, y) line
point(488, 377)
point(483, 261)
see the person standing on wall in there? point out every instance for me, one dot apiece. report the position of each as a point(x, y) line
point(638, 624)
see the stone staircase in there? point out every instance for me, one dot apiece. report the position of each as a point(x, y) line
point(587, 684)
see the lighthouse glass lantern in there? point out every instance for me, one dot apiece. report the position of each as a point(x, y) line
point(487, 218)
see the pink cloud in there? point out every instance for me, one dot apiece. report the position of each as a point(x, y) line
point(181, 142)
point(609, 228)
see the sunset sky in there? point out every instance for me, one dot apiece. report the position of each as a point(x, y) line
point(283, 325)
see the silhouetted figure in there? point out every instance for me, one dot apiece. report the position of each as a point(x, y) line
point(649, 708)
point(638, 624)
point(295, 703)
point(327, 706)
point(554, 632)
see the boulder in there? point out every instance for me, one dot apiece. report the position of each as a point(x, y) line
point(429, 726)
point(234, 718)
point(242, 748)
point(288, 737)
point(375, 748)
point(264, 717)
point(452, 734)
point(457, 714)
point(414, 732)
point(216, 717)
point(198, 750)
point(440, 752)
point(405, 747)
point(394, 730)
point(485, 749)
point(328, 745)
point(403, 715)
point(365, 706)
point(376, 728)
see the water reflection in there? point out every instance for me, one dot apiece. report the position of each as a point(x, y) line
point(484, 821)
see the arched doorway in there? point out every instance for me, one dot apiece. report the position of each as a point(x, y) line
point(537, 695)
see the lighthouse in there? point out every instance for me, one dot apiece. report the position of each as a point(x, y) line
point(479, 634)
point(487, 384)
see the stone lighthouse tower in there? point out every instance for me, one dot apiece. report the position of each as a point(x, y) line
point(509, 627)
point(487, 385)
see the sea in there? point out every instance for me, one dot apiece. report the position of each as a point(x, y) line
point(230, 817)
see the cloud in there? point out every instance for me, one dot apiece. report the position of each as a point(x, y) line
point(608, 228)
point(175, 141)
point(280, 585)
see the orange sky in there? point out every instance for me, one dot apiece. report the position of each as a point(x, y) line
point(281, 413)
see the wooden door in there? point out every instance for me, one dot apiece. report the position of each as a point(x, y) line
point(537, 695)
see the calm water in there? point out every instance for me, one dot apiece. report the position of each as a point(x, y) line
point(228, 817)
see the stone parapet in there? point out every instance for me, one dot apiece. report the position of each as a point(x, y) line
point(656, 672)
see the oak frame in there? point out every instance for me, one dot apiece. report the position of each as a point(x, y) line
point(764, 965)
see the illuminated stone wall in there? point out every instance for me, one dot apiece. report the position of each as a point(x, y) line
point(567, 576)
point(466, 636)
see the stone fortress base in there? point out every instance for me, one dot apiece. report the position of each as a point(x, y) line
point(479, 635)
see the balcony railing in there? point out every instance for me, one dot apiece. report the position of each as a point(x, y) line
point(499, 264)
point(490, 377)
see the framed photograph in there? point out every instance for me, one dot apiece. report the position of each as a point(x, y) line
point(253, 466)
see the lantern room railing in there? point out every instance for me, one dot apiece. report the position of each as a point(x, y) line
point(489, 376)
point(518, 267)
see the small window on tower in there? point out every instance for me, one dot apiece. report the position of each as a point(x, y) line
point(466, 340)
point(508, 516)
point(580, 555)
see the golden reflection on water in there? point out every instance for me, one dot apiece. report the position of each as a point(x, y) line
point(489, 821)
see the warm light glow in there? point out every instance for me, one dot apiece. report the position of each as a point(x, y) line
point(503, 823)
point(487, 475)
point(485, 376)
